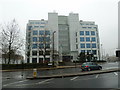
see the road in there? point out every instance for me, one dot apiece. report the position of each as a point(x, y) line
point(107, 80)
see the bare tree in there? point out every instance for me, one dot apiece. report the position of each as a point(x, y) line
point(11, 40)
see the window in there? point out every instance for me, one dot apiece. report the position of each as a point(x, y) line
point(34, 39)
point(89, 51)
point(41, 32)
point(87, 33)
point(82, 45)
point(82, 50)
point(90, 27)
point(93, 39)
point(81, 32)
point(47, 32)
point(76, 34)
point(76, 46)
point(94, 45)
point(47, 53)
point(47, 45)
point(40, 52)
point(41, 45)
point(35, 32)
point(76, 40)
point(88, 45)
point(82, 39)
point(42, 26)
point(47, 39)
point(34, 60)
point(31, 22)
point(84, 27)
point(37, 22)
point(40, 60)
point(87, 39)
point(41, 39)
point(34, 46)
point(36, 26)
point(34, 53)
point(92, 32)
point(29, 27)
point(94, 51)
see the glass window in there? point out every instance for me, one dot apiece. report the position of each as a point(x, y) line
point(36, 26)
point(88, 45)
point(37, 22)
point(47, 45)
point(81, 32)
point(41, 45)
point(47, 32)
point(34, 39)
point(34, 46)
point(94, 45)
point(82, 50)
point(29, 27)
point(94, 51)
point(41, 39)
point(34, 53)
point(87, 33)
point(93, 39)
point(82, 45)
point(34, 60)
point(40, 60)
point(89, 27)
point(87, 39)
point(84, 27)
point(82, 39)
point(41, 32)
point(92, 32)
point(35, 32)
point(89, 51)
point(42, 26)
point(40, 52)
point(47, 53)
point(47, 39)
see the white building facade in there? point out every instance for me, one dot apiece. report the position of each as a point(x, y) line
point(38, 42)
point(71, 37)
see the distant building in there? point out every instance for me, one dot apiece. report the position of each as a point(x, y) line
point(71, 37)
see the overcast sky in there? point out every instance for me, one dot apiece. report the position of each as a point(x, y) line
point(103, 12)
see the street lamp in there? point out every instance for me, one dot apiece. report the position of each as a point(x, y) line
point(53, 47)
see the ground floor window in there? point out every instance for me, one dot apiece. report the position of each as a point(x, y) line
point(40, 60)
point(34, 60)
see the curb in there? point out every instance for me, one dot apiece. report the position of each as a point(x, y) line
point(75, 74)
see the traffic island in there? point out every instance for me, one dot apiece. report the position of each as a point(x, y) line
point(75, 74)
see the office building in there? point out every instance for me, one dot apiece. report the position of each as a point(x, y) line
point(71, 37)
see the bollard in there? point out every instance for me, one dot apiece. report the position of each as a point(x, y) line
point(35, 73)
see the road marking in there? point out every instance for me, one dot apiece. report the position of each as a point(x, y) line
point(74, 78)
point(45, 81)
point(14, 83)
point(97, 76)
point(116, 73)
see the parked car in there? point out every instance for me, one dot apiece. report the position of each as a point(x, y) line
point(88, 66)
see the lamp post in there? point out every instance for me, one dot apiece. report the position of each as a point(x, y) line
point(53, 47)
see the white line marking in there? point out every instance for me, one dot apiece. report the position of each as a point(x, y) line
point(116, 73)
point(97, 76)
point(14, 83)
point(74, 78)
point(45, 81)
